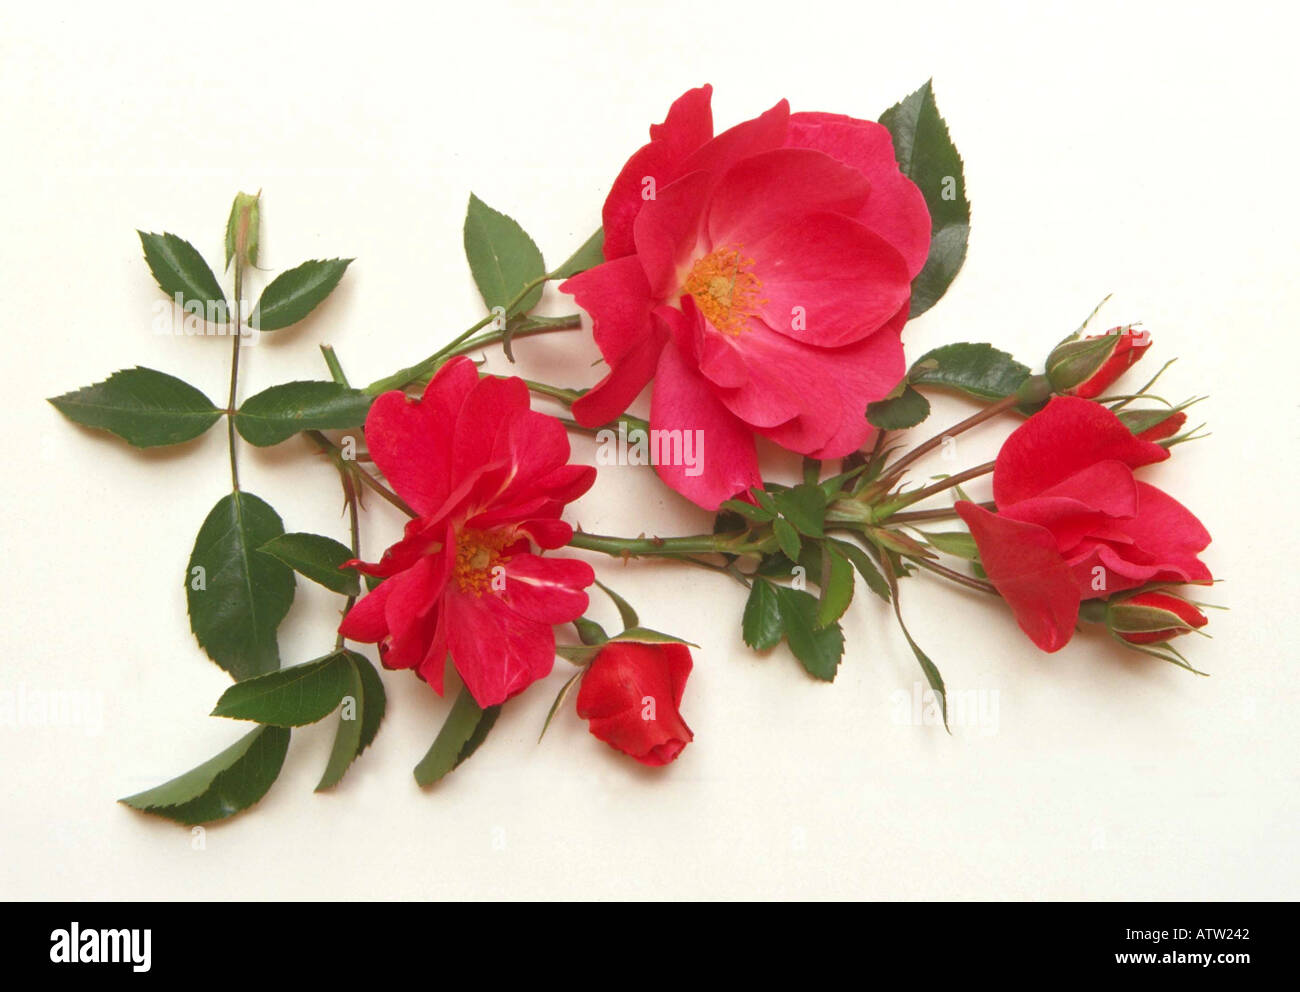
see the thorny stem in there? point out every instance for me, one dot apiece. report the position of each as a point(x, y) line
point(921, 450)
point(954, 576)
point(673, 547)
point(729, 569)
point(917, 516)
point(234, 366)
point(350, 497)
point(907, 499)
point(365, 477)
point(404, 377)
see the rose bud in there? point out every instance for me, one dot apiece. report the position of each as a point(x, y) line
point(630, 696)
point(1086, 367)
point(1153, 425)
point(1152, 617)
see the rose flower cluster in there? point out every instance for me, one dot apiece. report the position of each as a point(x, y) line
point(749, 290)
point(756, 282)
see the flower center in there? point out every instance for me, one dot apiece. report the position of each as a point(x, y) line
point(478, 553)
point(725, 288)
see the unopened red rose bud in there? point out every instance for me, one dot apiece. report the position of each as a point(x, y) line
point(630, 697)
point(1153, 617)
point(1086, 367)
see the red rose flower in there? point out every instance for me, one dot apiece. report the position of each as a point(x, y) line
point(1134, 618)
point(488, 478)
point(1072, 523)
point(630, 695)
point(761, 278)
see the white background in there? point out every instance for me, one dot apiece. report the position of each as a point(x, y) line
point(1145, 150)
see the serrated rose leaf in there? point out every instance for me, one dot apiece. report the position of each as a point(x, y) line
point(290, 697)
point(979, 370)
point(865, 566)
point(143, 407)
point(927, 155)
point(836, 584)
point(180, 269)
point(899, 413)
point(222, 786)
point(461, 734)
point(318, 558)
point(278, 413)
point(357, 729)
point(291, 295)
point(787, 537)
point(760, 625)
point(502, 258)
point(236, 595)
point(804, 506)
point(818, 649)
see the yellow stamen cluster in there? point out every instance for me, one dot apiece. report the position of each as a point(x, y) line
point(477, 554)
point(725, 289)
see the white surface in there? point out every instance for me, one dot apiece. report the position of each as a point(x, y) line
point(1140, 149)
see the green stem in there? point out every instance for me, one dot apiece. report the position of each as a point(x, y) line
point(566, 396)
point(332, 360)
point(234, 370)
point(968, 581)
point(406, 376)
point(354, 527)
point(918, 516)
point(637, 547)
point(921, 450)
point(368, 480)
point(907, 499)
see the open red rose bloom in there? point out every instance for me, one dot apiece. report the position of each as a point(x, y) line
point(1072, 522)
point(761, 278)
point(488, 478)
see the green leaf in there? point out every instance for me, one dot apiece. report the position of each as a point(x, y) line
point(180, 269)
point(787, 537)
point(237, 597)
point(278, 413)
point(464, 730)
point(953, 542)
point(559, 701)
point(761, 623)
point(222, 786)
point(644, 635)
point(590, 632)
point(765, 500)
point(818, 649)
point(747, 510)
point(248, 204)
point(903, 411)
point(480, 733)
point(804, 506)
point(143, 407)
point(625, 611)
point(979, 370)
point(927, 156)
point(502, 258)
point(928, 667)
point(290, 697)
point(865, 566)
point(356, 734)
point(836, 585)
point(291, 295)
point(318, 558)
point(591, 254)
